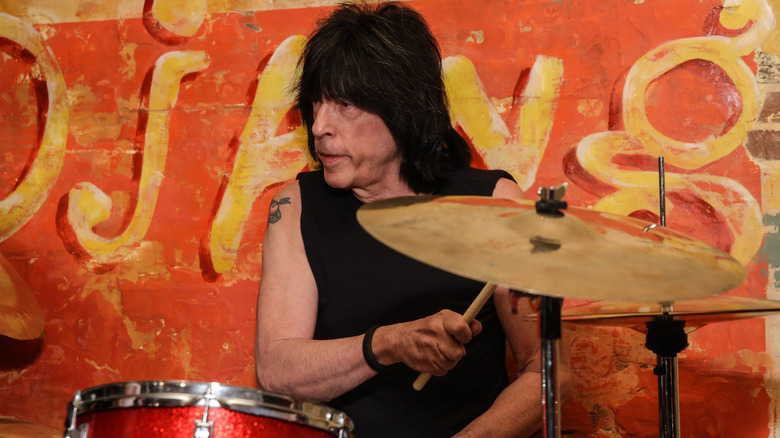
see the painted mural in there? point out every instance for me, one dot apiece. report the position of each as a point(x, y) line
point(141, 143)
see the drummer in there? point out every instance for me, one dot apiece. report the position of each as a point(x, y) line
point(342, 318)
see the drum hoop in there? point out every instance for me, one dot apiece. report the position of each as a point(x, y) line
point(181, 393)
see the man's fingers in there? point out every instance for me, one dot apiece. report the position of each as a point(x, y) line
point(452, 352)
point(476, 327)
point(456, 327)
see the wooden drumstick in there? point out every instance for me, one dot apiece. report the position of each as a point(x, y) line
point(471, 312)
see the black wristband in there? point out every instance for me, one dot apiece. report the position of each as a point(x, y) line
point(368, 352)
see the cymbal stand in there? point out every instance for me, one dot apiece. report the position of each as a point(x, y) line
point(666, 338)
point(550, 203)
point(550, 329)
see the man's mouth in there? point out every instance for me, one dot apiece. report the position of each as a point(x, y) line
point(329, 158)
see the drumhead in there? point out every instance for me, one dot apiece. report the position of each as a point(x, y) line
point(180, 393)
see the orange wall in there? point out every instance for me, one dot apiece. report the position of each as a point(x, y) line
point(140, 147)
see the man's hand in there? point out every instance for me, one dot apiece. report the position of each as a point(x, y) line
point(432, 345)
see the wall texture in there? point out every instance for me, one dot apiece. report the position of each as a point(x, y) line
point(141, 142)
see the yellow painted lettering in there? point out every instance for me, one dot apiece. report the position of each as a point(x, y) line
point(520, 149)
point(18, 207)
point(638, 189)
point(263, 158)
point(87, 205)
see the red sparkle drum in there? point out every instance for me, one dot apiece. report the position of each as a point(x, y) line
point(199, 410)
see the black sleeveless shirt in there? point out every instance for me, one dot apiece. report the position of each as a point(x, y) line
point(362, 282)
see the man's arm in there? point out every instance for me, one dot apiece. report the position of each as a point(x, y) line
point(517, 412)
point(289, 361)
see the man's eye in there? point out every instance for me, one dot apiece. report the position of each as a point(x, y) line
point(345, 104)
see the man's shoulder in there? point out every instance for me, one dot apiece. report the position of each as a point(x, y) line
point(473, 181)
point(479, 173)
point(291, 189)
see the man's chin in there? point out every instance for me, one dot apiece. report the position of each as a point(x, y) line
point(334, 181)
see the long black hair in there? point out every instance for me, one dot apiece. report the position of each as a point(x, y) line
point(384, 59)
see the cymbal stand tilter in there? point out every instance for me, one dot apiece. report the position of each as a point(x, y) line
point(550, 203)
point(666, 337)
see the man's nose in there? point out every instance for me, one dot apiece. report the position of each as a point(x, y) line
point(322, 119)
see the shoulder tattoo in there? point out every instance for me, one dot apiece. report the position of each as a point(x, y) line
point(274, 211)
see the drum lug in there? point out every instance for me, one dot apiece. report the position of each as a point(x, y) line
point(205, 427)
point(343, 431)
point(70, 420)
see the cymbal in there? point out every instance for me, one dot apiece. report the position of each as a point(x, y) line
point(14, 429)
point(696, 313)
point(580, 253)
point(21, 316)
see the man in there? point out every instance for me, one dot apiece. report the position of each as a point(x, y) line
point(341, 317)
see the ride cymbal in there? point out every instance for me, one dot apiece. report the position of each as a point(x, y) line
point(696, 313)
point(17, 429)
point(21, 317)
point(578, 253)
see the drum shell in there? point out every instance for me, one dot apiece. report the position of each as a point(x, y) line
point(176, 408)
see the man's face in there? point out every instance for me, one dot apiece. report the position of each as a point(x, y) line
point(355, 147)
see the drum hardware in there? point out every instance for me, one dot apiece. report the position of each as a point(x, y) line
point(22, 429)
point(70, 419)
point(601, 256)
point(167, 408)
point(666, 338)
point(21, 316)
point(695, 313)
point(550, 203)
point(550, 333)
point(204, 427)
point(666, 331)
point(576, 253)
point(666, 327)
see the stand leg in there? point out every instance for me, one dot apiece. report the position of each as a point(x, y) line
point(668, 397)
point(550, 329)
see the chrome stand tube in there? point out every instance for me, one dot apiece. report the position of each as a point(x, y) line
point(668, 397)
point(550, 329)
